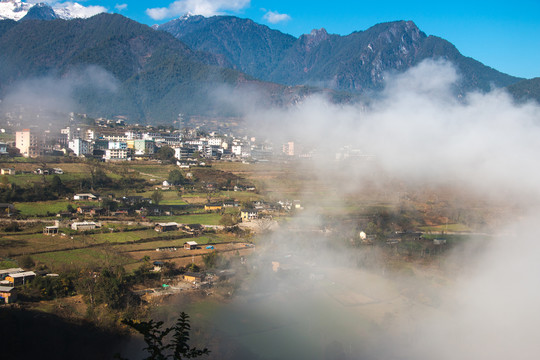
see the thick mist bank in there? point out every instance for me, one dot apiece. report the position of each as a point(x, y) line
point(418, 131)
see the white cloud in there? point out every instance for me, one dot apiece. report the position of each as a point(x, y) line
point(274, 17)
point(121, 7)
point(197, 7)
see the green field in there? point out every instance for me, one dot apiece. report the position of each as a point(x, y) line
point(156, 171)
point(41, 208)
point(446, 228)
point(201, 240)
point(128, 236)
point(205, 219)
point(82, 257)
point(170, 197)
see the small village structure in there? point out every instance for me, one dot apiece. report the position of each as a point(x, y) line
point(249, 214)
point(230, 203)
point(20, 278)
point(50, 230)
point(193, 229)
point(4, 273)
point(7, 171)
point(85, 196)
point(158, 265)
point(190, 245)
point(170, 226)
point(7, 294)
point(85, 225)
point(193, 277)
point(213, 207)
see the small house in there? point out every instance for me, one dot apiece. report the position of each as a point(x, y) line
point(20, 278)
point(50, 230)
point(193, 277)
point(249, 214)
point(158, 265)
point(4, 273)
point(170, 226)
point(84, 225)
point(7, 294)
point(193, 228)
point(190, 245)
point(212, 207)
point(85, 196)
point(85, 209)
point(230, 203)
point(7, 171)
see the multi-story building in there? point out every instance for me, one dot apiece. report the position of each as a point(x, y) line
point(147, 147)
point(288, 148)
point(80, 147)
point(215, 141)
point(117, 145)
point(182, 153)
point(237, 150)
point(117, 154)
point(116, 137)
point(27, 143)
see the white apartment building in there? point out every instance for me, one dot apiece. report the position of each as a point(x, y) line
point(116, 155)
point(118, 145)
point(80, 147)
point(215, 141)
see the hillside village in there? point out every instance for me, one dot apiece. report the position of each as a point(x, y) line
point(114, 140)
point(167, 213)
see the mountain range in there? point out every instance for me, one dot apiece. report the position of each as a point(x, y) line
point(175, 68)
point(356, 62)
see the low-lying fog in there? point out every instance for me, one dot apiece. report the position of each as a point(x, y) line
point(323, 305)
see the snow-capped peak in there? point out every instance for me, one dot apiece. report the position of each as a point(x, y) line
point(186, 16)
point(16, 10)
point(71, 10)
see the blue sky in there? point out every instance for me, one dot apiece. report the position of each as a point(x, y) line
point(502, 34)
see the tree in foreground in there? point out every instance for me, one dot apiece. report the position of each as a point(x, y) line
point(178, 347)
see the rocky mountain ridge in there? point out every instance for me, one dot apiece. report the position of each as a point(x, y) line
point(356, 62)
